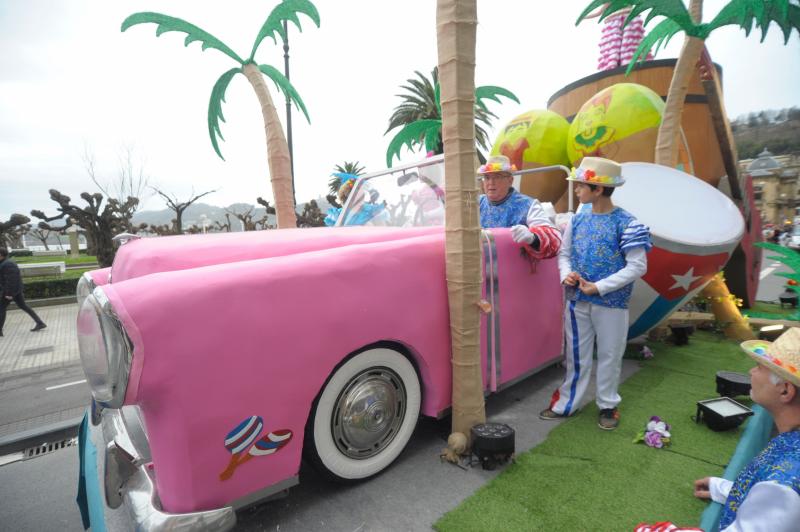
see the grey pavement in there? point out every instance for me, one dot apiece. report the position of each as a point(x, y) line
point(40, 373)
point(771, 285)
point(57, 345)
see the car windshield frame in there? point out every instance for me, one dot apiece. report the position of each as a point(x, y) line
point(410, 195)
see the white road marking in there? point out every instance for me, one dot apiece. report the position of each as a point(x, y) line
point(766, 271)
point(56, 387)
point(11, 458)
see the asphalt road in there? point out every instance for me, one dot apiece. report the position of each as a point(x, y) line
point(41, 396)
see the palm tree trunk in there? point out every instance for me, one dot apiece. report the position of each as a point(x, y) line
point(725, 310)
point(456, 22)
point(280, 168)
point(666, 143)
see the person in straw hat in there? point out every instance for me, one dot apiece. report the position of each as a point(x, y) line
point(502, 205)
point(603, 252)
point(766, 493)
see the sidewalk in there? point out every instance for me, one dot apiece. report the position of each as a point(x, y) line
point(57, 345)
point(40, 372)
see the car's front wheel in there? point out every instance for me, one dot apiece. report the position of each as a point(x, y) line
point(364, 416)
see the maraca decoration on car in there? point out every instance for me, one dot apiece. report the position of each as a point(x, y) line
point(243, 436)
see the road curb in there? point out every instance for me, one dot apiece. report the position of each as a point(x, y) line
point(46, 302)
point(39, 436)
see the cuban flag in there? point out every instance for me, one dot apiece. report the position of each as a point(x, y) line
point(672, 278)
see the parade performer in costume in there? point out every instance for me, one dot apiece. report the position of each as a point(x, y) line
point(503, 206)
point(766, 493)
point(603, 252)
point(367, 210)
point(346, 183)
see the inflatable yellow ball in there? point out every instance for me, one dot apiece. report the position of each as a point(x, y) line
point(620, 122)
point(534, 139)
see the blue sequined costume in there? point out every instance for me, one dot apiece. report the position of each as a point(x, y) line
point(599, 244)
point(778, 462)
point(510, 211)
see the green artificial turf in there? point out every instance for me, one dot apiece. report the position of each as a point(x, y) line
point(761, 309)
point(584, 478)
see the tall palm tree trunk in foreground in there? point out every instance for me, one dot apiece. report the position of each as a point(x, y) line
point(280, 170)
point(456, 22)
point(725, 309)
point(667, 141)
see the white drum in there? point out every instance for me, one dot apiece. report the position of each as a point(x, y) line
point(694, 228)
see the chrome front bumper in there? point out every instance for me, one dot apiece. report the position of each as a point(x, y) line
point(115, 466)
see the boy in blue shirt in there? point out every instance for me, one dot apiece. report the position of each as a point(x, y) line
point(603, 252)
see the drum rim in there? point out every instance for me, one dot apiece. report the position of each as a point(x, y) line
point(683, 246)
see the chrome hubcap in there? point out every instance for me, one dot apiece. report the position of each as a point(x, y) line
point(368, 413)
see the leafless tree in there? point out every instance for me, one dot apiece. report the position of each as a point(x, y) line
point(311, 216)
point(131, 180)
point(246, 217)
point(264, 222)
point(100, 226)
point(11, 230)
point(179, 206)
point(42, 233)
point(219, 226)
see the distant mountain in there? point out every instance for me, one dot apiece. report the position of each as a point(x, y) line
point(778, 131)
point(193, 215)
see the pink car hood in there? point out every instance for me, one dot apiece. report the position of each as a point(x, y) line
point(152, 255)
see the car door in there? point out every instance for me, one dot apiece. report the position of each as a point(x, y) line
point(523, 332)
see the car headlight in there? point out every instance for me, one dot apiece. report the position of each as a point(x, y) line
point(85, 287)
point(105, 349)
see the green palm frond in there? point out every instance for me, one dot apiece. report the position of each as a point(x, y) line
point(285, 11)
point(419, 101)
point(787, 256)
point(491, 92)
point(166, 23)
point(284, 86)
point(593, 5)
point(761, 13)
point(655, 39)
point(215, 108)
point(348, 167)
point(414, 134)
point(674, 10)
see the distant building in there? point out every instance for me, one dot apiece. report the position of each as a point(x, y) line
point(775, 182)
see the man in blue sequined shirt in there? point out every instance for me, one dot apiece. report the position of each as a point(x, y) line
point(766, 493)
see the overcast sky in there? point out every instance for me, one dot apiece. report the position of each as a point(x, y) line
point(69, 79)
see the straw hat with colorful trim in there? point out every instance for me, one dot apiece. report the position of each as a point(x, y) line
point(598, 171)
point(496, 164)
point(781, 357)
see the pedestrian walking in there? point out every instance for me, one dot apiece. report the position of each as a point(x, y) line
point(11, 290)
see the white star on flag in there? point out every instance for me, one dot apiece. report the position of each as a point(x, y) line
point(685, 281)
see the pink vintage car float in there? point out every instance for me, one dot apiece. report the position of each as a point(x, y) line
point(216, 362)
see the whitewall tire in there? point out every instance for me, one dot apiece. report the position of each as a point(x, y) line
point(364, 416)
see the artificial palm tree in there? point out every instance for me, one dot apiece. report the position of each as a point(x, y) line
point(352, 168)
point(676, 19)
point(420, 115)
point(456, 22)
point(277, 149)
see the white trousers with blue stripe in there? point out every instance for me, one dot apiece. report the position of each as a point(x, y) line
point(583, 324)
